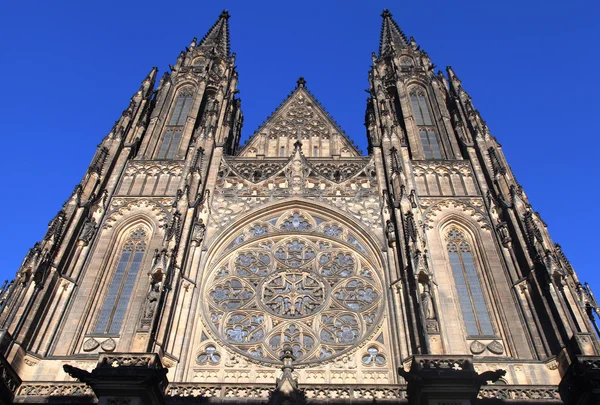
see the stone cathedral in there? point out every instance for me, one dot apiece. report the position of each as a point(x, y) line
point(185, 268)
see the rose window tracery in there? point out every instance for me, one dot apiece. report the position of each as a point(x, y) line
point(296, 282)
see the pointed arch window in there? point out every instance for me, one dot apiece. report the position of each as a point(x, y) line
point(174, 128)
point(427, 133)
point(121, 286)
point(468, 285)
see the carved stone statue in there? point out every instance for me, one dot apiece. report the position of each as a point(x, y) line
point(88, 231)
point(152, 300)
point(390, 233)
point(198, 231)
point(427, 302)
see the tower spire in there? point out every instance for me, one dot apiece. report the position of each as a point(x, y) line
point(391, 34)
point(217, 38)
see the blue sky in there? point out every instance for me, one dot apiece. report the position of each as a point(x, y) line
point(69, 68)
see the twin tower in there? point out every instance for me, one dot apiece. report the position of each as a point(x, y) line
point(185, 268)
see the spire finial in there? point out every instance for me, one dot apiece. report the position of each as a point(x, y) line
point(224, 14)
point(386, 13)
point(301, 82)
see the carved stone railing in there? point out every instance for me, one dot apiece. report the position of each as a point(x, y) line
point(445, 363)
point(149, 360)
point(260, 392)
point(312, 391)
point(54, 389)
point(520, 392)
point(352, 392)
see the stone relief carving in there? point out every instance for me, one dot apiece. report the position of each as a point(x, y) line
point(154, 167)
point(355, 191)
point(472, 206)
point(122, 206)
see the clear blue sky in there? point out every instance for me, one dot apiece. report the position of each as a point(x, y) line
point(69, 68)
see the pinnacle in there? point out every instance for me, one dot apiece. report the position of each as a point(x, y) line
point(217, 37)
point(301, 82)
point(391, 34)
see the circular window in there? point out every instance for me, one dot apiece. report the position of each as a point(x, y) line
point(316, 294)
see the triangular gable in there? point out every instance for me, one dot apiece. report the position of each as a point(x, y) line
point(300, 118)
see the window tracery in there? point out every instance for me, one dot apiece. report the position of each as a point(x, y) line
point(427, 132)
point(121, 286)
point(468, 285)
point(174, 127)
point(305, 285)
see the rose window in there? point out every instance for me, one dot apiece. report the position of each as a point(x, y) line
point(297, 283)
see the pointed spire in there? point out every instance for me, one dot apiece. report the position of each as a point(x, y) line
point(391, 34)
point(217, 37)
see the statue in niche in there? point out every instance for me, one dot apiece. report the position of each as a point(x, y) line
point(198, 231)
point(88, 230)
point(427, 301)
point(502, 229)
point(390, 233)
point(152, 300)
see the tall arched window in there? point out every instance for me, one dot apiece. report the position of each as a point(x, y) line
point(174, 129)
point(427, 132)
point(470, 295)
point(121, 286)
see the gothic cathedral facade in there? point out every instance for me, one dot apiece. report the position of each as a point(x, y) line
point(185, 267)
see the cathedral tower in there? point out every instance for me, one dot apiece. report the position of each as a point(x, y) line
point(294, 268)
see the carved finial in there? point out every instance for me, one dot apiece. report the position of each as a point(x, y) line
point(386, 13)
point(301, 82)
point(225, 15)
point(297, 145)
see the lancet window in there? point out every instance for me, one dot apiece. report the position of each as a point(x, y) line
point(121, 286)
point(468, 285)
point(174, 128)
point(427, 132)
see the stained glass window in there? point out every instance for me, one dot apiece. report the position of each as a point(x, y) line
point(427, 133)
point(470, 295)
point(121, 286)
point(174, 129)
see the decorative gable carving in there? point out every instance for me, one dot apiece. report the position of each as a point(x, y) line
point(300, 118)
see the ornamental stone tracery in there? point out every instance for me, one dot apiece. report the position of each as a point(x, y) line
point(296, 280)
